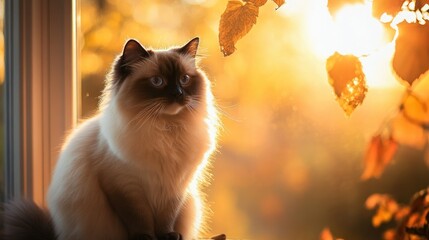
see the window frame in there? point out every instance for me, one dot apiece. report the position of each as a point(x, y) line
point(41, 88)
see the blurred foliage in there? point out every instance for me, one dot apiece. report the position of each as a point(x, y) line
point(288, 162)
point(411, 219)
point(327, 235)
point(378, 155)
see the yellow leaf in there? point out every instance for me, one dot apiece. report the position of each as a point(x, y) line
point(235, 22)
point(279, 2)
point(348, 80)
point(416, 110)
point(408, 133)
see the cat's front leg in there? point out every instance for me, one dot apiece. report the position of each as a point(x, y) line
point(187, 222)
point(165, 219)
point(130, 205)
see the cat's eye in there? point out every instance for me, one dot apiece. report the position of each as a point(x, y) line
point(185, 80)
point(157, 81)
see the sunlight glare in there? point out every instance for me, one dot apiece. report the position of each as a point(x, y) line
point(352, 30)
point(357, 32)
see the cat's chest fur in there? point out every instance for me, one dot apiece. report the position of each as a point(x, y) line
point(163, 156)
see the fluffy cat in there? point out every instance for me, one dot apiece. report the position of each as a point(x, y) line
point(133, 170)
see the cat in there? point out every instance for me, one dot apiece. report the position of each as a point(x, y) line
point(133, 170)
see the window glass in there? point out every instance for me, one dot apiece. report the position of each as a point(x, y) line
point(289, 161)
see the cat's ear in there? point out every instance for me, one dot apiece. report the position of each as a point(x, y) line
point(190, 48)
point(133, 52)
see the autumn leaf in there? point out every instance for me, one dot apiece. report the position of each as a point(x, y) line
point(378, 155)
point(418, 220)
point(279, 2)
point(391, 7)
point(409, 126)
point(411, 58)
point(389, 234)
point(416, 110)
point(421, 3)
point(386, 208)
point(408, 133)
point(326, 234)
point(348, 80)
point(235, 22)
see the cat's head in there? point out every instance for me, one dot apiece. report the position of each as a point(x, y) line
point(161, 83)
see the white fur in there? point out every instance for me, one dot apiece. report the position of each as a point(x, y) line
point(162, 158)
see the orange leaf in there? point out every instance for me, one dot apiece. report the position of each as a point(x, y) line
point(326, 234)
point(379, 154)
point(411, 58)
point(235, 22)
point(389, 234)
point(279, 2)
point(258, 3)
point(387, 208)
point(348, 80)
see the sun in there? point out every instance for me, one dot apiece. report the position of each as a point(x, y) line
point(356, 31)
point(352, 30)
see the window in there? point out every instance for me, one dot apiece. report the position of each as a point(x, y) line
point(40, 88)
point(1, 101)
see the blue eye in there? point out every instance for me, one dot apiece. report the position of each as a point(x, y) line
point(185, 80)
point(157, 81)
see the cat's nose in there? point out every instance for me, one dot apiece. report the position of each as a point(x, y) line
point(178, 92)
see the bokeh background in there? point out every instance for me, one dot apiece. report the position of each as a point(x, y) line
point(289, 161)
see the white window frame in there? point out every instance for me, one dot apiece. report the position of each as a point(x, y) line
point(41, 102)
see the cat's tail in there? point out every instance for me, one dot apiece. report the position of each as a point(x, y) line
point(24, 220)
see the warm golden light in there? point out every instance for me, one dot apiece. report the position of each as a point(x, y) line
point(356, 31)
point(352, 30)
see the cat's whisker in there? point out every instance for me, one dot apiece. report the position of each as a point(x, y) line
point(191, 110)
point(153, 113)
point(145, 107)
point(148, 115)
